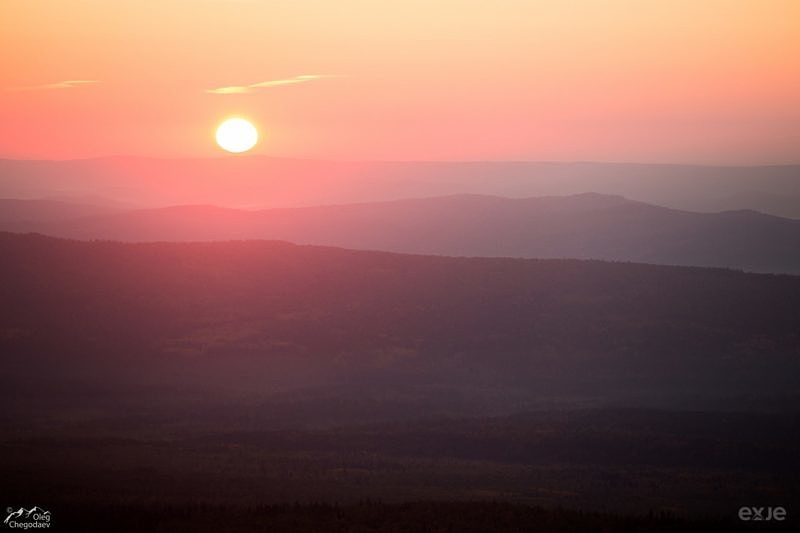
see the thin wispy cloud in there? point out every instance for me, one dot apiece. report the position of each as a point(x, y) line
point(244, 89)
point(67, 84)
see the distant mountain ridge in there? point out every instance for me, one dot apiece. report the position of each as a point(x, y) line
point(584, 226)
point(22, 212)
point(267, 182)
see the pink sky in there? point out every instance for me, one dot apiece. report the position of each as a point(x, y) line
point(627, 80)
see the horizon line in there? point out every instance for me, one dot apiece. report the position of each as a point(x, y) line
point(443, 161)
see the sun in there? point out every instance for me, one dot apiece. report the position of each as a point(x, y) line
point(236, 135)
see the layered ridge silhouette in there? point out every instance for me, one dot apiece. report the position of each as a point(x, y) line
point(585, 226)
point(264, 182)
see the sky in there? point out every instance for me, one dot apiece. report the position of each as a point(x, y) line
point(680, 81)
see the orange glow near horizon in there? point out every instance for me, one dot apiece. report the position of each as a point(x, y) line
point(716, 81)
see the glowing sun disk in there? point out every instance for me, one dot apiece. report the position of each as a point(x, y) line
point(236, 135)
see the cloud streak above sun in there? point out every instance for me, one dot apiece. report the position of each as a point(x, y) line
point(68, 84)
point(245, 89)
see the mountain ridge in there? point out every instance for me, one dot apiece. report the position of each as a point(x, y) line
point(262, 182)
point(583, 226)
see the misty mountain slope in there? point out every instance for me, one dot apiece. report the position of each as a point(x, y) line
point(96, 319)
point(265, 182)
point(21, 215)
point(586, 226)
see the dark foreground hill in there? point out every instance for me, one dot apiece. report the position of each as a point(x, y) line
point(165, 387)
point(260, 318)
point(586, 226)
